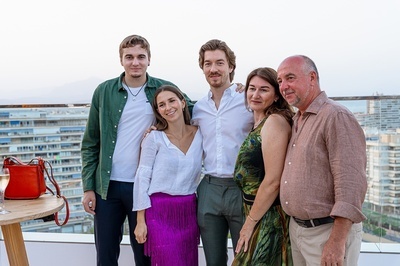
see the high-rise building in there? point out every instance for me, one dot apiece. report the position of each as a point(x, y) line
point(53, 132)
point(383, 115)
point(383, 173)
point(382, 128)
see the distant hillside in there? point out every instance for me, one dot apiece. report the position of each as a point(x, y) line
point(75, 92)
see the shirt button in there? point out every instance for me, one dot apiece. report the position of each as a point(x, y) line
point(113, 141)
point(120, 111)
point(285, 182)
point(294, 145)
point(108, 172)
point(290, 163)
point(115, 126)
point(286, 203)
point(110, 157)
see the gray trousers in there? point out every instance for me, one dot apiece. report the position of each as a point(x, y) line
point(219, 212)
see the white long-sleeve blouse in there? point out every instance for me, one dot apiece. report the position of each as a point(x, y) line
point(165, 168)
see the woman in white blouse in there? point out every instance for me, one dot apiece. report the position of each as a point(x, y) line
point(166, 181)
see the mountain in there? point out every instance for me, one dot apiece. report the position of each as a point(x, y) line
point(70, 93)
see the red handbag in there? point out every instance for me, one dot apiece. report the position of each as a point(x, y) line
point(27, 181)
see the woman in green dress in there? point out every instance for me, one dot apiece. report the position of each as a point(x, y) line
point(264, 238)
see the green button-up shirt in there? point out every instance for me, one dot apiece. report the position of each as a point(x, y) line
point(100, 136)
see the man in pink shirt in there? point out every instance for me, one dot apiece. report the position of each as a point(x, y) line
point(323, 184)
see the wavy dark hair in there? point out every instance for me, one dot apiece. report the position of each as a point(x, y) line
point(213, 45)
point(161, 123)
point(280, 106)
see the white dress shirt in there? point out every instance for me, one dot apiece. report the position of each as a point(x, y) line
point(223, 129)
point(165, 168)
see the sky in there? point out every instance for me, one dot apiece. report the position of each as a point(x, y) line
point(59, 51)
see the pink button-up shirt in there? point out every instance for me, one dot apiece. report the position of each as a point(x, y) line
point(325, 167)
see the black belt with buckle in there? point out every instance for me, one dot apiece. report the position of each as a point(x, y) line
point(314, 222)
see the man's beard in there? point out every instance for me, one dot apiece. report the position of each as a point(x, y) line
point(135, 76)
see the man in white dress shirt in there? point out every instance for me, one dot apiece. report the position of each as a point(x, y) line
point(224, 123)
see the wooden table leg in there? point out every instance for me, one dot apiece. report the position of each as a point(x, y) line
point(15, 245)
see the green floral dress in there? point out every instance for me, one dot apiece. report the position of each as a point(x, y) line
point(269, 245)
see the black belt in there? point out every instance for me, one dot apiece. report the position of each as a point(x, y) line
point(314, 222)
point(221, 181)
point(249, 200)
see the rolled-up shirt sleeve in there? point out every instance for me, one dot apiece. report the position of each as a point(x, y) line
point(347, 157)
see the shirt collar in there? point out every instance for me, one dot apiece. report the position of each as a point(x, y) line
point(315, 106)
point(318, 102)
point(231, 91)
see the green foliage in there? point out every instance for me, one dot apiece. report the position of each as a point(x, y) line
point(379, 232)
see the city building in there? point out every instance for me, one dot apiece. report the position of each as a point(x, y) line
point(382, 128)
point(383, 172)
point(383, 115)
point(53, 132)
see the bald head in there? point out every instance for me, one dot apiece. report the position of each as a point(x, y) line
point(298, 81)
point(307, 64)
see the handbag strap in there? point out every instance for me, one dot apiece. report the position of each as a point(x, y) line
point(42, 163)
point(13, 160)
point(51, 178)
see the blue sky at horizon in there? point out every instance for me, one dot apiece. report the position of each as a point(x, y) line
point(54, 44)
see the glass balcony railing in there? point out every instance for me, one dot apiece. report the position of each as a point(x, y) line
point(379, 116)
point(55, 131)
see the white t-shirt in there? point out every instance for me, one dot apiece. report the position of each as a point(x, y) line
point(136, 118)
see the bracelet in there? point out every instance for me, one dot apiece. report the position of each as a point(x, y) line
point(252, 219)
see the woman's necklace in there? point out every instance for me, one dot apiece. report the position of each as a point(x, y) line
point(181, 143)
point(176, 139)
point(134, 95)
point(258, 123)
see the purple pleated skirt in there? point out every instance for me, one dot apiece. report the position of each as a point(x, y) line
point(172, 231)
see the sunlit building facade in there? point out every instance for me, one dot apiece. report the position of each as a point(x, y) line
point(383, 173)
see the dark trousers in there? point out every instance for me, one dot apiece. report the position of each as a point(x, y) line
point(219, 212)
point(108, 225)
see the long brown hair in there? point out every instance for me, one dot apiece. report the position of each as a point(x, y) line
point(161, 123)
point(280, 106)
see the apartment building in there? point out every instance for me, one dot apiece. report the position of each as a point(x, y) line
point(383, 115)
point(53, 132)
point(383, 173)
